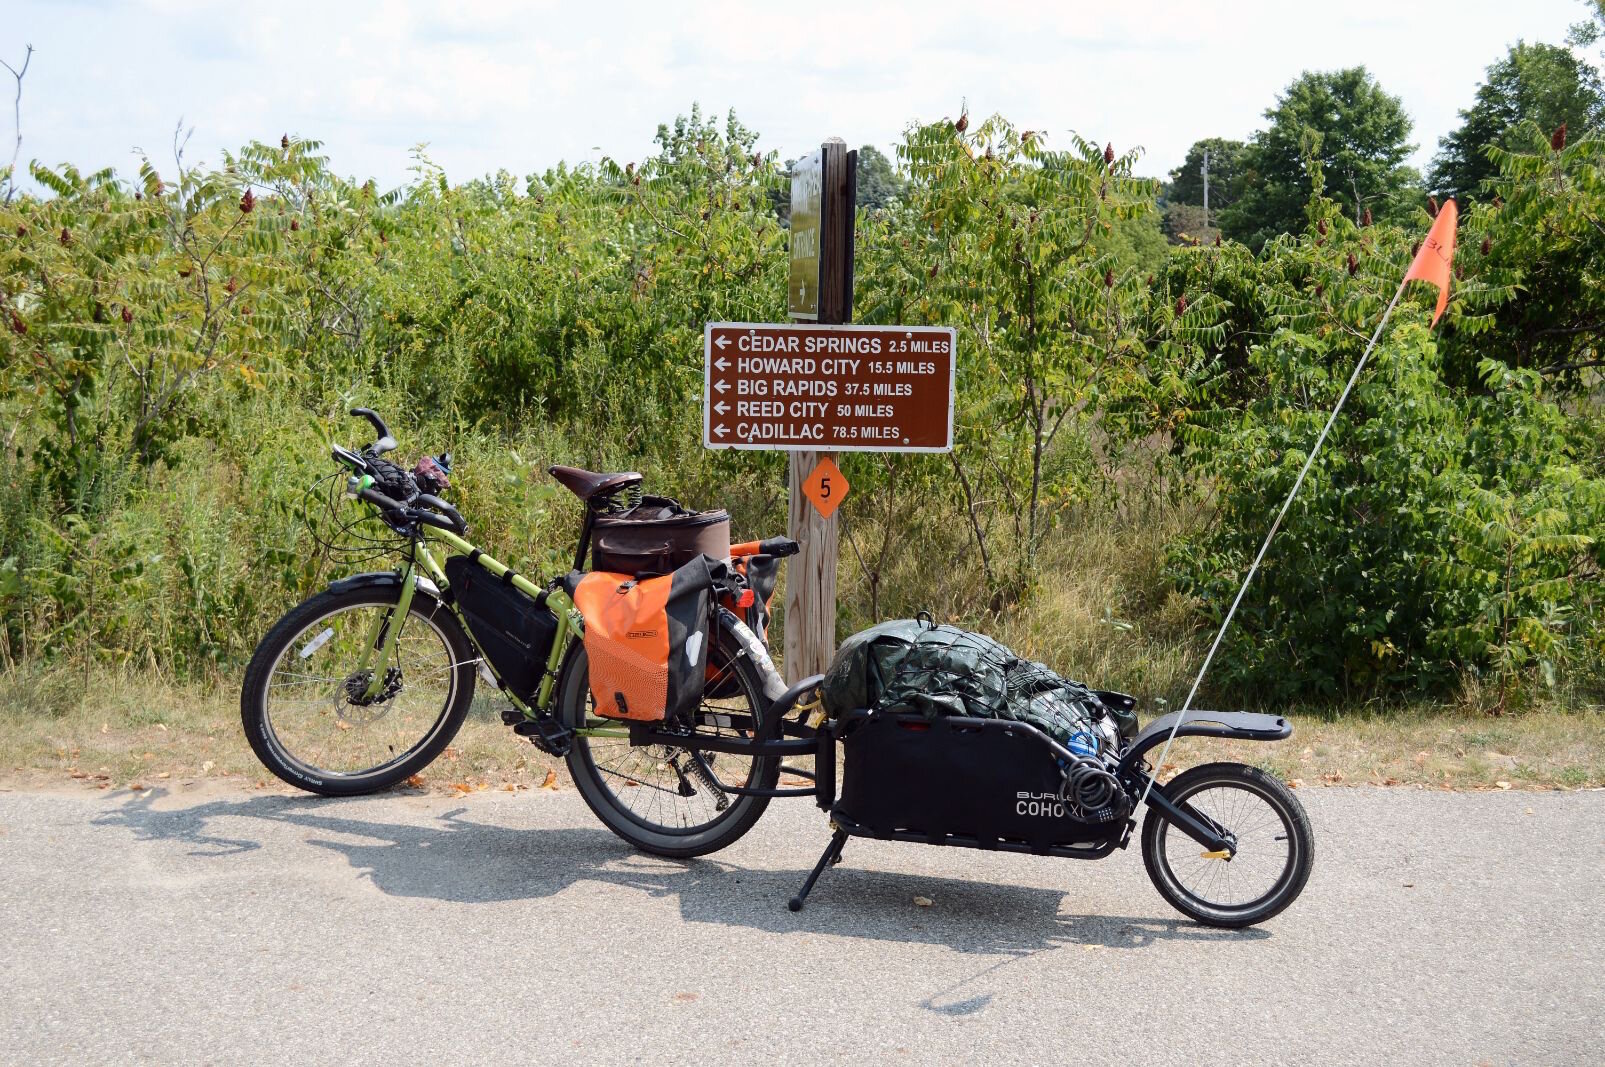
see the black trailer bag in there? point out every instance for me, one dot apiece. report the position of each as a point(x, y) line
point(514, 631)
point(984, 782)
point(658, 536)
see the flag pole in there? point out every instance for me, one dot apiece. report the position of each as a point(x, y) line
point(1275, 526)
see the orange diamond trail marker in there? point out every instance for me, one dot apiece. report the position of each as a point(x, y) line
point(826, 487)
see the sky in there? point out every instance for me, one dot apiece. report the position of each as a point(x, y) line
point(490, 85)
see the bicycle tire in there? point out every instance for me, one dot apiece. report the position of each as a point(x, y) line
point(256, 712)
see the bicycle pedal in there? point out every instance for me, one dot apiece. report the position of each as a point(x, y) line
point(546, 734)
point(512, 717)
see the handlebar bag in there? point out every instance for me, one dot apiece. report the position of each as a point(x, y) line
point(646, 640)
point(656, 536)
point(514, 630)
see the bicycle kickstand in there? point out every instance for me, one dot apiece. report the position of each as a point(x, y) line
point(832, 854)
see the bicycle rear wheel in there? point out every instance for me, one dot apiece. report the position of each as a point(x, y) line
point(305, 703)
point(666, 800)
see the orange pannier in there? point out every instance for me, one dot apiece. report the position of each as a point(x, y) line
point(646, 640)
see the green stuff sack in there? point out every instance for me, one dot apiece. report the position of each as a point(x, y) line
point(911, 665)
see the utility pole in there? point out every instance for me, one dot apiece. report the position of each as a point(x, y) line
point(1206, 188)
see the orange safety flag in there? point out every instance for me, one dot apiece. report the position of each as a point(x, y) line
point(1434, 261)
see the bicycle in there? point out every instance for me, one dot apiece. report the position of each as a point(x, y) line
point(364, 684)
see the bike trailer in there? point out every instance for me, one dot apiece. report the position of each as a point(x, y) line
point(646, 640)
point(656, 536)
point(515, 631)
point(981, 783)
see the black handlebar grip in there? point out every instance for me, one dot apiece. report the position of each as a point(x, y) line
point(374, 496)
point(434, 502)
point(373, 417)
point(779, 546)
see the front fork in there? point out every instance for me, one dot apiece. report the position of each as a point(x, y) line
point(386, 632)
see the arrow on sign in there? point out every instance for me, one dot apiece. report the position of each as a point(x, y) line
point(721, 363)
point(721, 341)
point(721, 407)
point(721, 429)
point(723, 387)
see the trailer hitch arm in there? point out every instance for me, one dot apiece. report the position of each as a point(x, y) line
point(1192, 822)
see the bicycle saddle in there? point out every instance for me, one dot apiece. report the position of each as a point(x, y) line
point(586, 484)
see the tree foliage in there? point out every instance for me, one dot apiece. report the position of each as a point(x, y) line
point(1340, 127)
point(176, 346)
point(1226, 163)
point(1538, 83)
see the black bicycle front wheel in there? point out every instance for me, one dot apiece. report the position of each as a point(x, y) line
point(1269, 866)
point(315, 719)
point(664, 799)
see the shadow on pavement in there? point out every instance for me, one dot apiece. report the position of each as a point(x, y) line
point(457, 860)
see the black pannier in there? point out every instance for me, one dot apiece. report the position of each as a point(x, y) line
point(514, 631)
point(658, 536)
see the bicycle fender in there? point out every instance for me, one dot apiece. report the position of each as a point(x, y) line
point(381, 579)
point(1240, 725)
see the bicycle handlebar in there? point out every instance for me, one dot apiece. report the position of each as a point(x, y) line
point(385, 443)
point(436, 512)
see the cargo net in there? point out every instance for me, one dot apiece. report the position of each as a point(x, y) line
point(949, 671)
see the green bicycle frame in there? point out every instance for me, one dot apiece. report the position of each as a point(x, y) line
point(568, 622)
point(384, 636)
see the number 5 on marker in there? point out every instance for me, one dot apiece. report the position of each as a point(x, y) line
point(820, 487)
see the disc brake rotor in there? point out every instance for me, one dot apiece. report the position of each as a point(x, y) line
point(356, 708)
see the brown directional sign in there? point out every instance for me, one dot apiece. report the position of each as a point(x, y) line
point(807, 217)
point(833, 388)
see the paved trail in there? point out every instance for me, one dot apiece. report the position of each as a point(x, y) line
point(233, 928)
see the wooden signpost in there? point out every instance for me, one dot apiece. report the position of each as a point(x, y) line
point(817, 386)
point(811, 575)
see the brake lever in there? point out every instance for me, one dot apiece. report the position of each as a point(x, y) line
point(434, 503)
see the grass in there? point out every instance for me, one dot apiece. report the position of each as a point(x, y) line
point(110, 729)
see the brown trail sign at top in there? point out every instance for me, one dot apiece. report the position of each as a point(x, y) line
point(830, 388)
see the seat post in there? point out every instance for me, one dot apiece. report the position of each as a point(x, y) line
point(584, 546)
